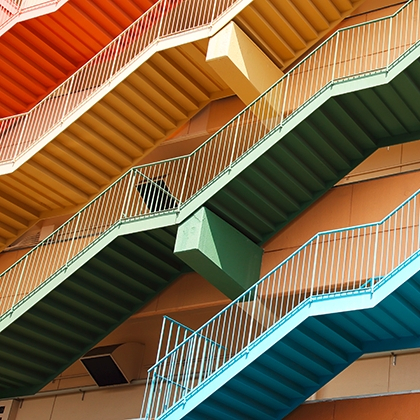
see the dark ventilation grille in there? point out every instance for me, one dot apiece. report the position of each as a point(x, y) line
point(156, 195)
point(104, 370)
point(114, 365)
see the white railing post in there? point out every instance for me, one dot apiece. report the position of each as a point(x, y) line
point(181, 196)
point(253, 311)
point(314, 268)
point(234, 140)
point(150, 398)
point(189, 364)
point(335, 56)
point(389, 45)
point(66, 103)
point(283, 107)
point(213, 13)
point(418, 20)
point(18, 148)
point(162, 331)
point(18, 285)
point(158, 35)
point(375, 250)
point(72, 241)
point(128, 195)
point(116, 50)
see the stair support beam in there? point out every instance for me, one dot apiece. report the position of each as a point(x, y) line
point(241, 63)
point(218, 252)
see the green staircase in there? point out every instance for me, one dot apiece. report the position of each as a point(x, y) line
point(83, 309)
point(257, 173)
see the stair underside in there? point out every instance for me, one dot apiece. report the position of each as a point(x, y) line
point(284, 30)
point(86, 307)
point(109, 138)
point(40, 53)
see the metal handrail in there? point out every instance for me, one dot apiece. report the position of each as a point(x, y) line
point(175, 182)
point(10, 9)
point(353, 260)
point(164, 19)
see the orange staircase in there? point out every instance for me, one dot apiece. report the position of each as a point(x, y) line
point(39, 54)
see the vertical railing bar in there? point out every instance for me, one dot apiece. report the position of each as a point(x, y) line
point(18, 285)
point(17, 150)
point(389, 46)
point(161, 21)
point(350, 265)
point(335, 56)
point(337, 273)
point(72, 240)
point(181, 196)
point(69, 92)
point(374, 258)
point(314, 267)
point(399, 242)
point(357, 239)
point(128, 195)
point(253, 310)
point(160, 339)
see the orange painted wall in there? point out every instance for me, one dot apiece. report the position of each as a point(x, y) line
point(393, 407)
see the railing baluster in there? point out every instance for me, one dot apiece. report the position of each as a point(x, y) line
point(335, 56)
point(314, 266)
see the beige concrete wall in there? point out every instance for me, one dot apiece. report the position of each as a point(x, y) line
point(380, 375)
point(393, 407)
point(107, 404)
point(197, 130)
point(387, 161)
point(375, 375)
point(372, 9)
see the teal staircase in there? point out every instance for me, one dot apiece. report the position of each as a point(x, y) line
point(257, 173)
point(299, 326)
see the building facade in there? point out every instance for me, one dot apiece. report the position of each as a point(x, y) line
point(151, 174)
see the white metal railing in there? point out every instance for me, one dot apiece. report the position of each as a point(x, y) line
point(343, 261)
point(172, 333)
point(10, 9)
point(164, 19)
point(168, 185)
